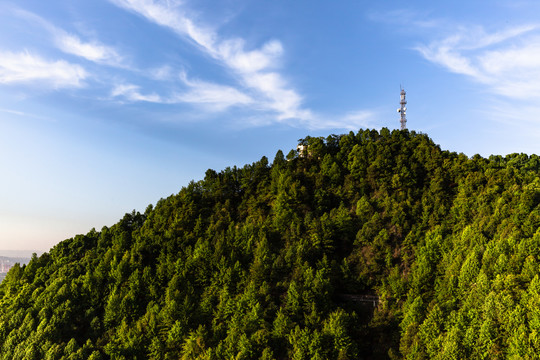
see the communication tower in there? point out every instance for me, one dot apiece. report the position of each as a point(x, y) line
point(402, 110)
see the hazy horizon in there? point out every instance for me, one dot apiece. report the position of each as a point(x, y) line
point(26, 254)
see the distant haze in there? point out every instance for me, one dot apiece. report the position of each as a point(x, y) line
point(25, 254)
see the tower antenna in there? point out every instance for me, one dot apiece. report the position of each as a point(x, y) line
point(402, 110)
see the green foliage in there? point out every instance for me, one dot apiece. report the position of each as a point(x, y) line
point(275, 262)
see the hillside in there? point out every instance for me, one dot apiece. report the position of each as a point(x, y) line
point(272, 261)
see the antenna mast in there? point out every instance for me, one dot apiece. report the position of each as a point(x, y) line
point(402, 110)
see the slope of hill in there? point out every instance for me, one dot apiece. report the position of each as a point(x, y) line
point(271, 262)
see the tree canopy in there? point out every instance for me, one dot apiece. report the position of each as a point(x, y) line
point(276, 261)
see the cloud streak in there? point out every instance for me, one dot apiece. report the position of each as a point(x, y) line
point(70, 43)
point(215, 97)
point(506, 61)
point(92, 51)
point(212, 97)
point(259, 89)
point(24, 68)
point(254, 69)
point(132, 93)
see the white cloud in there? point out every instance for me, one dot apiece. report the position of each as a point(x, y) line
point(477, 38)
point(14, 112)
point(92, 51)
point(71, 44)
point(351, 121)
point(162, 73)
point(131, 92)
point(286, 102)
point(506, 61)
point(502, 61)
point(407, 19)
point(27, 68)
point(218, 97)
point(360, 119)
point(262, 88)
point(163, 14)
point(247, 62)
point(25, 114)
point(447, 56)
point(255, 69)
point(214, 97)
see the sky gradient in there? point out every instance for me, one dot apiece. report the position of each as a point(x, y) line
point(109, 105)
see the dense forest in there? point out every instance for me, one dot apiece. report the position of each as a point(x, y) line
point(368, 245)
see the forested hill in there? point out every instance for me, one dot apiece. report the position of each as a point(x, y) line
point(273, 261)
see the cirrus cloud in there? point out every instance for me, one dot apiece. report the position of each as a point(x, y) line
point(70, 43)
point(506, 60)
point(92, 51)
point(24, 67)
point(254, 69)
point(213, 97)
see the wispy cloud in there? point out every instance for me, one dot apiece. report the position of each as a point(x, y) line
point(13, 112)
point(407, 19)
point(92, 51)
point(132, 93)
point(255, 69)
point(25, 114)
point(215, 97)
point(506, 61)
point(350, 121)
point(164, 72)
point(359, 119)
point(69, 43)
point(259, 88)
point(25, 67)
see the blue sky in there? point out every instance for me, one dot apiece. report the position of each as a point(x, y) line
point(108, 105)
